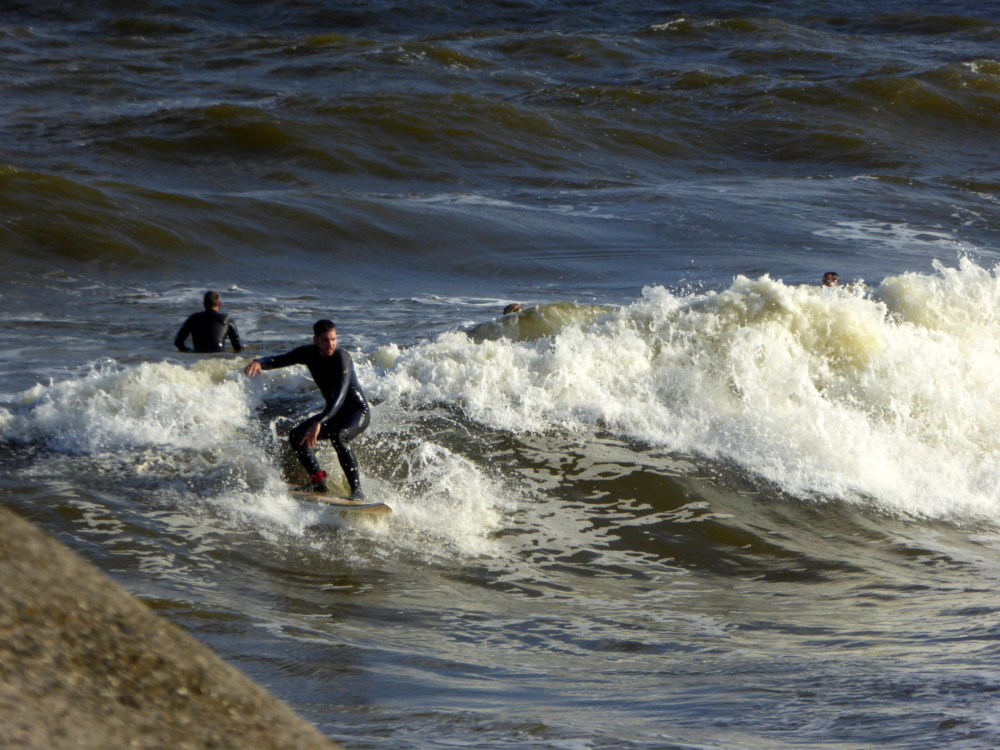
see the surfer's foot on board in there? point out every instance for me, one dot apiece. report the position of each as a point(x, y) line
point(316, 484)
point(358, 496)
point(312, 487)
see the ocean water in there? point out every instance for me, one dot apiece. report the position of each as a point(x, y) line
point(687, 499)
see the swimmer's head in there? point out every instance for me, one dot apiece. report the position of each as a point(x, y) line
point(513, 307)
point(212, 301)
point(831, 279)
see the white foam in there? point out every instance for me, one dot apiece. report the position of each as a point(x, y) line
point(448, 505)
point(890, 399)
point(157, 421)
point(895, 235)
point(113, 407)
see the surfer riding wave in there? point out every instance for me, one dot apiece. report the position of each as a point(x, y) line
point(345, 415)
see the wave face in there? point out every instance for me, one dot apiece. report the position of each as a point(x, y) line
point(685, 498)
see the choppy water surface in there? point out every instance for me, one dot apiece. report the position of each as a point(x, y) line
point(687, 498)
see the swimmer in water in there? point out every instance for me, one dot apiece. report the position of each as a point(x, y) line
point(208, 329)
point(831, 279)
point(345, 416)
point(512, 308)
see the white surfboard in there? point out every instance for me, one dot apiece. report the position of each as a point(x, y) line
point(341, 504)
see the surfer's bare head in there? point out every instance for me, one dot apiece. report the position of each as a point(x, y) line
point(322, 326)
point(325, 337)
point(831, 278)
point(212, 300)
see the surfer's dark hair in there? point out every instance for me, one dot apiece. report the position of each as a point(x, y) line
point(322, 326)
point(211, 300)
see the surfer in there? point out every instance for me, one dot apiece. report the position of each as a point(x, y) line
point(831, 278)
point(208, 329)
point(345, 416)
point(512, 308)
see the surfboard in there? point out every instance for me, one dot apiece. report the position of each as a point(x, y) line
point(340, 504)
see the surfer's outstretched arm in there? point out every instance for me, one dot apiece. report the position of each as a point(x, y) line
point(294, 357)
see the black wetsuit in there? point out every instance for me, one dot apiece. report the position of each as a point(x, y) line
point(346, 414)
point(208, 330)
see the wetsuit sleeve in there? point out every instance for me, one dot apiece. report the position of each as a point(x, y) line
point(346, 375)
point(234, 336)
point(293, 357)
point(183, 334)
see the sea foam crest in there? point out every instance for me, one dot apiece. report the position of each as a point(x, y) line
point(112, 407)
point(884, 396)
